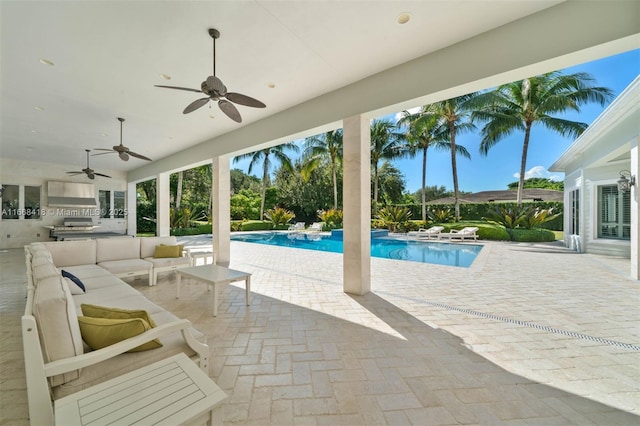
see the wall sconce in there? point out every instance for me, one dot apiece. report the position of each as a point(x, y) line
point(624, 183)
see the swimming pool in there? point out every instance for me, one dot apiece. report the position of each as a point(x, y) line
point(439, 253)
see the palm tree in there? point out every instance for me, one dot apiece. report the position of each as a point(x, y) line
point(319, 148)
point(385, 144)
point(424, 131)
point(264, 154)
point(519, 105)
point(454, 118)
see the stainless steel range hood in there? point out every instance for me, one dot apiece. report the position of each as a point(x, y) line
point(71, 194)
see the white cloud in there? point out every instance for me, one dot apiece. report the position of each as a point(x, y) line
point(539, 172)
point(411, 111)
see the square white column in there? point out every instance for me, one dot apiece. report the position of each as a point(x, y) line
point(635, 212)
point(132, 225)
point(163, 195)
point(357, 205)
point(221, 210)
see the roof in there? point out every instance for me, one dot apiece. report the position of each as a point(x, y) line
point(529, 194)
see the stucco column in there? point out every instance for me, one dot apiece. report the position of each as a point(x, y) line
point(635, 212)
point(221, 210)
point(132, 226)
point(357, 205)
point(163, 195)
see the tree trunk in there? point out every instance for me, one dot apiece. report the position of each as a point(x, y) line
point(265, 180)
point(424, 183)
point(179, 190)
point(523, 163)
point(454, 171)
point(375, 189)
point(335, 184)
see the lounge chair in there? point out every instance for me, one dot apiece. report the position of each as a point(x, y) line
point(297, 227)
point(427, 234)
point(469, 232)
point(315, 227)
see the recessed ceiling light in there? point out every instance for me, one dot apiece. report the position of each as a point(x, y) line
point(39, 108)
point(271, 85)
point(165, 76)
point(212, 116)
point(104, 134)
point(44, 61)
point(403, 18)
point(30, 148)
point(34, 131)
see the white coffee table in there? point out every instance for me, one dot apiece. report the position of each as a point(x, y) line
point(214, 276)
point(169, 392)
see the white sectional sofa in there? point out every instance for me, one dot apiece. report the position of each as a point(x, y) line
point(57, 360)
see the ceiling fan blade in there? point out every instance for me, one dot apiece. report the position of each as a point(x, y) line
point(102, 149)
point(180, 88)
point(245, 100)
point(195, 105)
point(123, 156)
point(216, 84)
point(75, 173)
point(230, 110)
point(142, 157)
point(100, 174)
point(110, 151)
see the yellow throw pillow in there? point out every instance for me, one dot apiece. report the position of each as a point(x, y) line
point(167, 251)
point(96, 311)
point(99, 333)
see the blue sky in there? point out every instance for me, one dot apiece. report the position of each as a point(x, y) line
point(501, 165)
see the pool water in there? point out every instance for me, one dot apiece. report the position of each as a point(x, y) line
point(439, 253)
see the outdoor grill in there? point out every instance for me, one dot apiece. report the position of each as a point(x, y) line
point(72, 226)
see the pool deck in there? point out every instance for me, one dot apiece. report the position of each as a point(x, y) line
point(529, 334)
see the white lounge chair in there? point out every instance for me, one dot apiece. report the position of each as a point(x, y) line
point(469, 232)
point(427, 234)
point(297, 227)
point(315, 227)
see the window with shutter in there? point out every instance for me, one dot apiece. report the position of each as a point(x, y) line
point(614, 213)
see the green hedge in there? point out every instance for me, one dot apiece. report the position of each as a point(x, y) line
point(532, 235)
point(256, 225)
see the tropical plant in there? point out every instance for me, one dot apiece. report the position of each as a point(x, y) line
point(184, 218)
point(279, 216)
point(245, 204)
point(509, 217)
point(390, 184)
point(519, 105)
point(424, 131)
point(265, 155)
point(317, 151)
point(534, 217)
point(394, 216)
point(332, 218)
point(386, 144)
point(441, 215)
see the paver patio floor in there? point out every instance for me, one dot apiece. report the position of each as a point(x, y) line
point(529, 334)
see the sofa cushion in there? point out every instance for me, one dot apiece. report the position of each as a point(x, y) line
point(124, 266)
point(85, 272)
point(167, 251)
point(59, 333)
point(99, 333)
point(39, 259)
point(96, 311)
point(71, 253)
point(148, 244)
point(74, 280)
point(108, 249)
point(44, 271)
point(168, 261)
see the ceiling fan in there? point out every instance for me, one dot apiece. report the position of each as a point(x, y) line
point(123, 151)
point(217, 91)
point(91, 174)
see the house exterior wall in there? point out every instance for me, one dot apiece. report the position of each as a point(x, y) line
point(15, 233)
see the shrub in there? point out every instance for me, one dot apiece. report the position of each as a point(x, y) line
point(279, 216)
point(236, 225)
point(441, 215)
point(332, 218)
point(535, 217)
point(532, 235)
point(394, 216)
point(256, 225)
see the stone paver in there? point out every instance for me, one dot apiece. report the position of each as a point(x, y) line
point(529, 334)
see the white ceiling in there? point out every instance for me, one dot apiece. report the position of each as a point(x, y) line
point(108, 55)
